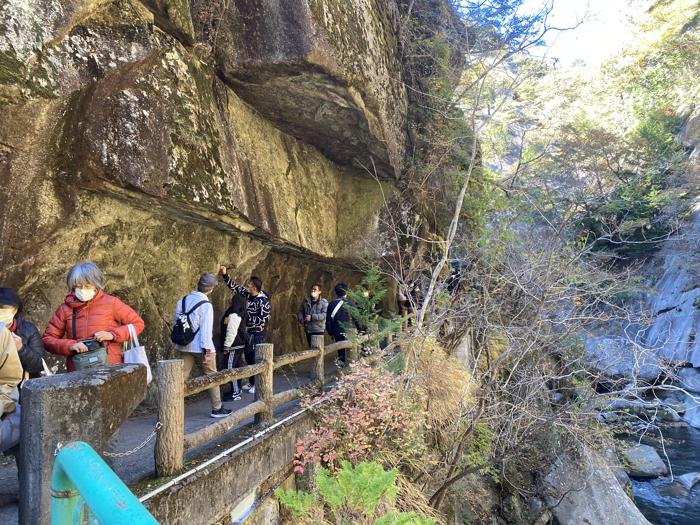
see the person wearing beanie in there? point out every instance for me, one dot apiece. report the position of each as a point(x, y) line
point(26, 336)
point(199, 314)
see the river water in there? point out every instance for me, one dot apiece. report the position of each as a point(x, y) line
point(666, 503)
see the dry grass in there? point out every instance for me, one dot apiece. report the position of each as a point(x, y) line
point(445, 385)
point(410, 498)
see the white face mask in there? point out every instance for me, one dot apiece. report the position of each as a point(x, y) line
point(7, 315)
point(84, 295)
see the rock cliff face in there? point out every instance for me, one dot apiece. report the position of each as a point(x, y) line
point(159, 147)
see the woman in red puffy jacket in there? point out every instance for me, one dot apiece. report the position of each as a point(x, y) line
point(97, 315)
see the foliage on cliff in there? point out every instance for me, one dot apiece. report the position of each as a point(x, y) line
point(599, 149)
point(581, 170)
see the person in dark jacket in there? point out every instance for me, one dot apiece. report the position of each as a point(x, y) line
point(26, 336)
point(258, 313)
point(233, 339)
point(338, 319)
point(312, 313)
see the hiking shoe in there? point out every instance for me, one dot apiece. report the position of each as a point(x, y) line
point(251, 390)
point(222, 412)
point(231, 397)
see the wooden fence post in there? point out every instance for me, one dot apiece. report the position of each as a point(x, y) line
point(319, 372)
point(353, 354)
point(170, 438)
point(264, 382)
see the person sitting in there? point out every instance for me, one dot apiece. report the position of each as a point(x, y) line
point(88, 312)
point(11, 375)
point(27, 337)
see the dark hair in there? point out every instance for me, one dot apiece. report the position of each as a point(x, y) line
point(10, 297)
point(238, 305)
point(257, 282)
point(316, 285)
point(341, 289)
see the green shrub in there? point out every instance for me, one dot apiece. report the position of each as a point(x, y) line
point(363, 494)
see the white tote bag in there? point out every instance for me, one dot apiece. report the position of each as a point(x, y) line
point(136, 354)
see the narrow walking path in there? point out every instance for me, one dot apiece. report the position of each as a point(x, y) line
point(135, 467)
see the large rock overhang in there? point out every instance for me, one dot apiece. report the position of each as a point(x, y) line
point(325, 71)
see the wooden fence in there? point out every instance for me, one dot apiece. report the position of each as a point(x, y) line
point(172, 441)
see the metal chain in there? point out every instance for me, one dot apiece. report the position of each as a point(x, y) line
point(137, 448)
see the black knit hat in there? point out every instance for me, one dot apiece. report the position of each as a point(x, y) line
point(9, 297)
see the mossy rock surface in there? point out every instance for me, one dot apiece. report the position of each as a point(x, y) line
point(325, 71)
point(118, 144)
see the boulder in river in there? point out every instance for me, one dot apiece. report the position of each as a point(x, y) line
point(689, 379)
point(644, 462)
point(688, 480)
point(582, 488)
point(692, 411)
point(619, 357)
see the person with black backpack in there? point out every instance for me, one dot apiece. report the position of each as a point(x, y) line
point(193, 324)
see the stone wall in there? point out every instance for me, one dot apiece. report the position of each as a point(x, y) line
point(122, 140)
point(57, 410)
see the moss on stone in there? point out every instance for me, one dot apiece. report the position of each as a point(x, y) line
point(174, 17)
point(178, 12)
point(10, 68)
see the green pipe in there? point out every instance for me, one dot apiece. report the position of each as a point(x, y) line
point(81, 478)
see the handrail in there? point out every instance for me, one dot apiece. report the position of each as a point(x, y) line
point(202, 383)
point(340, 345)
point(201, 436)
point(80, 477)
point(296, 357)
point(172, 442)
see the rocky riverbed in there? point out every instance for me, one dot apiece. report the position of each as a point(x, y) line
point(667, 500)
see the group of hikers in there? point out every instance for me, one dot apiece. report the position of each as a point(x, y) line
point(92, 327)
point(244, 324)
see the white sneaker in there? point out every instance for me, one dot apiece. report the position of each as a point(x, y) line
point(247, 386)
point(251, 390)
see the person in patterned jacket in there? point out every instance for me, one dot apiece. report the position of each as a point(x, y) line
point(258, 314)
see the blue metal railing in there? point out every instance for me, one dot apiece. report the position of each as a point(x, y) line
point(83, 485)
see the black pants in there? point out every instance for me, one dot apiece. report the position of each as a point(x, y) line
point(254, 338)
point(341, 353)
point(234, 361)
point(235, 357)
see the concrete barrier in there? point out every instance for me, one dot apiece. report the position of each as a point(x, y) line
point(87, 406)
point(219, 491)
